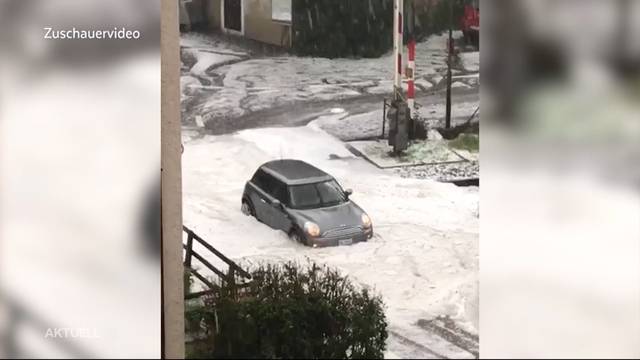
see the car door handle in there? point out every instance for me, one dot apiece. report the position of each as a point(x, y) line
point(263, 200)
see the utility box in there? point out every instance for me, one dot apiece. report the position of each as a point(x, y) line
point(399, 125)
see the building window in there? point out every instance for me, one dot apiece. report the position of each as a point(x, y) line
point(281, 10)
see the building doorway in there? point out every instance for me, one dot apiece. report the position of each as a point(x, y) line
point(232, 16)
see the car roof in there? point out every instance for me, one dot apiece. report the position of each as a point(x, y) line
point(295, 172)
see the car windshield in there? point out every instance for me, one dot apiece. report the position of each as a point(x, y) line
point(316, 195)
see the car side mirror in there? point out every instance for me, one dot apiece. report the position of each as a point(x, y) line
point(348, 192)
point(276, 204)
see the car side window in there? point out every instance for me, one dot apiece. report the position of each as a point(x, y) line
point(271, 185)
point(261, 180)
point(280, 192)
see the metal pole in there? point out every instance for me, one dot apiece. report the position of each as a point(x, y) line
point(411, 61)
point(397, 48)
point(189, 250)
point(384, 116)
point(449, 57)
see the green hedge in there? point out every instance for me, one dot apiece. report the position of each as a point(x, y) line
point(294, 311)
point(435, 17)
point(342, 28)
point(361, 28)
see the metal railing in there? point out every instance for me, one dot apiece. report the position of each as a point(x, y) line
point(234, 270)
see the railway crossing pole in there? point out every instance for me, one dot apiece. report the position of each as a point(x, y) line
point(411, 65)
point(398, 114)
point(397, 48)
point(411, 69)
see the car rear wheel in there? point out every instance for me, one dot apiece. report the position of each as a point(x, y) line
point(247, 208)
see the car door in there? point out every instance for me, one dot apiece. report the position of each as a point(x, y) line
point(260, 197)
point(274, 216)
point(280, 216)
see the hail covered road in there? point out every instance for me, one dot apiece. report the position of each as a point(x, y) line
point(423, 259)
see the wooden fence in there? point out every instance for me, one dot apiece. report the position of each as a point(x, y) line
point(230, 277)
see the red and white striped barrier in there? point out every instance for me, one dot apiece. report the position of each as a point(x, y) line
point(411, 89)
point(397, 45)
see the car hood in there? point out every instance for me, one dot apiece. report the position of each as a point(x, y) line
point(347, 214)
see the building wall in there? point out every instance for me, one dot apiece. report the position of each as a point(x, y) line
point(356, 27)
point(257, 21)
point(259, 26)
point(214, 14)
point(195, 13)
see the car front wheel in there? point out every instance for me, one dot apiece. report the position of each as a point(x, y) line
point(297, 236)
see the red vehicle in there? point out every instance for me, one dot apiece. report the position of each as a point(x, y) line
point(470, 23)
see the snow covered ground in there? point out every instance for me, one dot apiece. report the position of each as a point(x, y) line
point(423, 258)
point(434, 114)
point(352, 127)
point(198, 41)
point(206, 60)
point(470, 61)
point(250, 84)
point(366, 125)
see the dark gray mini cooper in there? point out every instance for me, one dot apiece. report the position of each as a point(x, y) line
point(306, 203)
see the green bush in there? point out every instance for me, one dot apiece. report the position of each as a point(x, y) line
point(342, 28)
point(469, 142)
point(364, 28)
point(436, 17)
point(294, 311)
